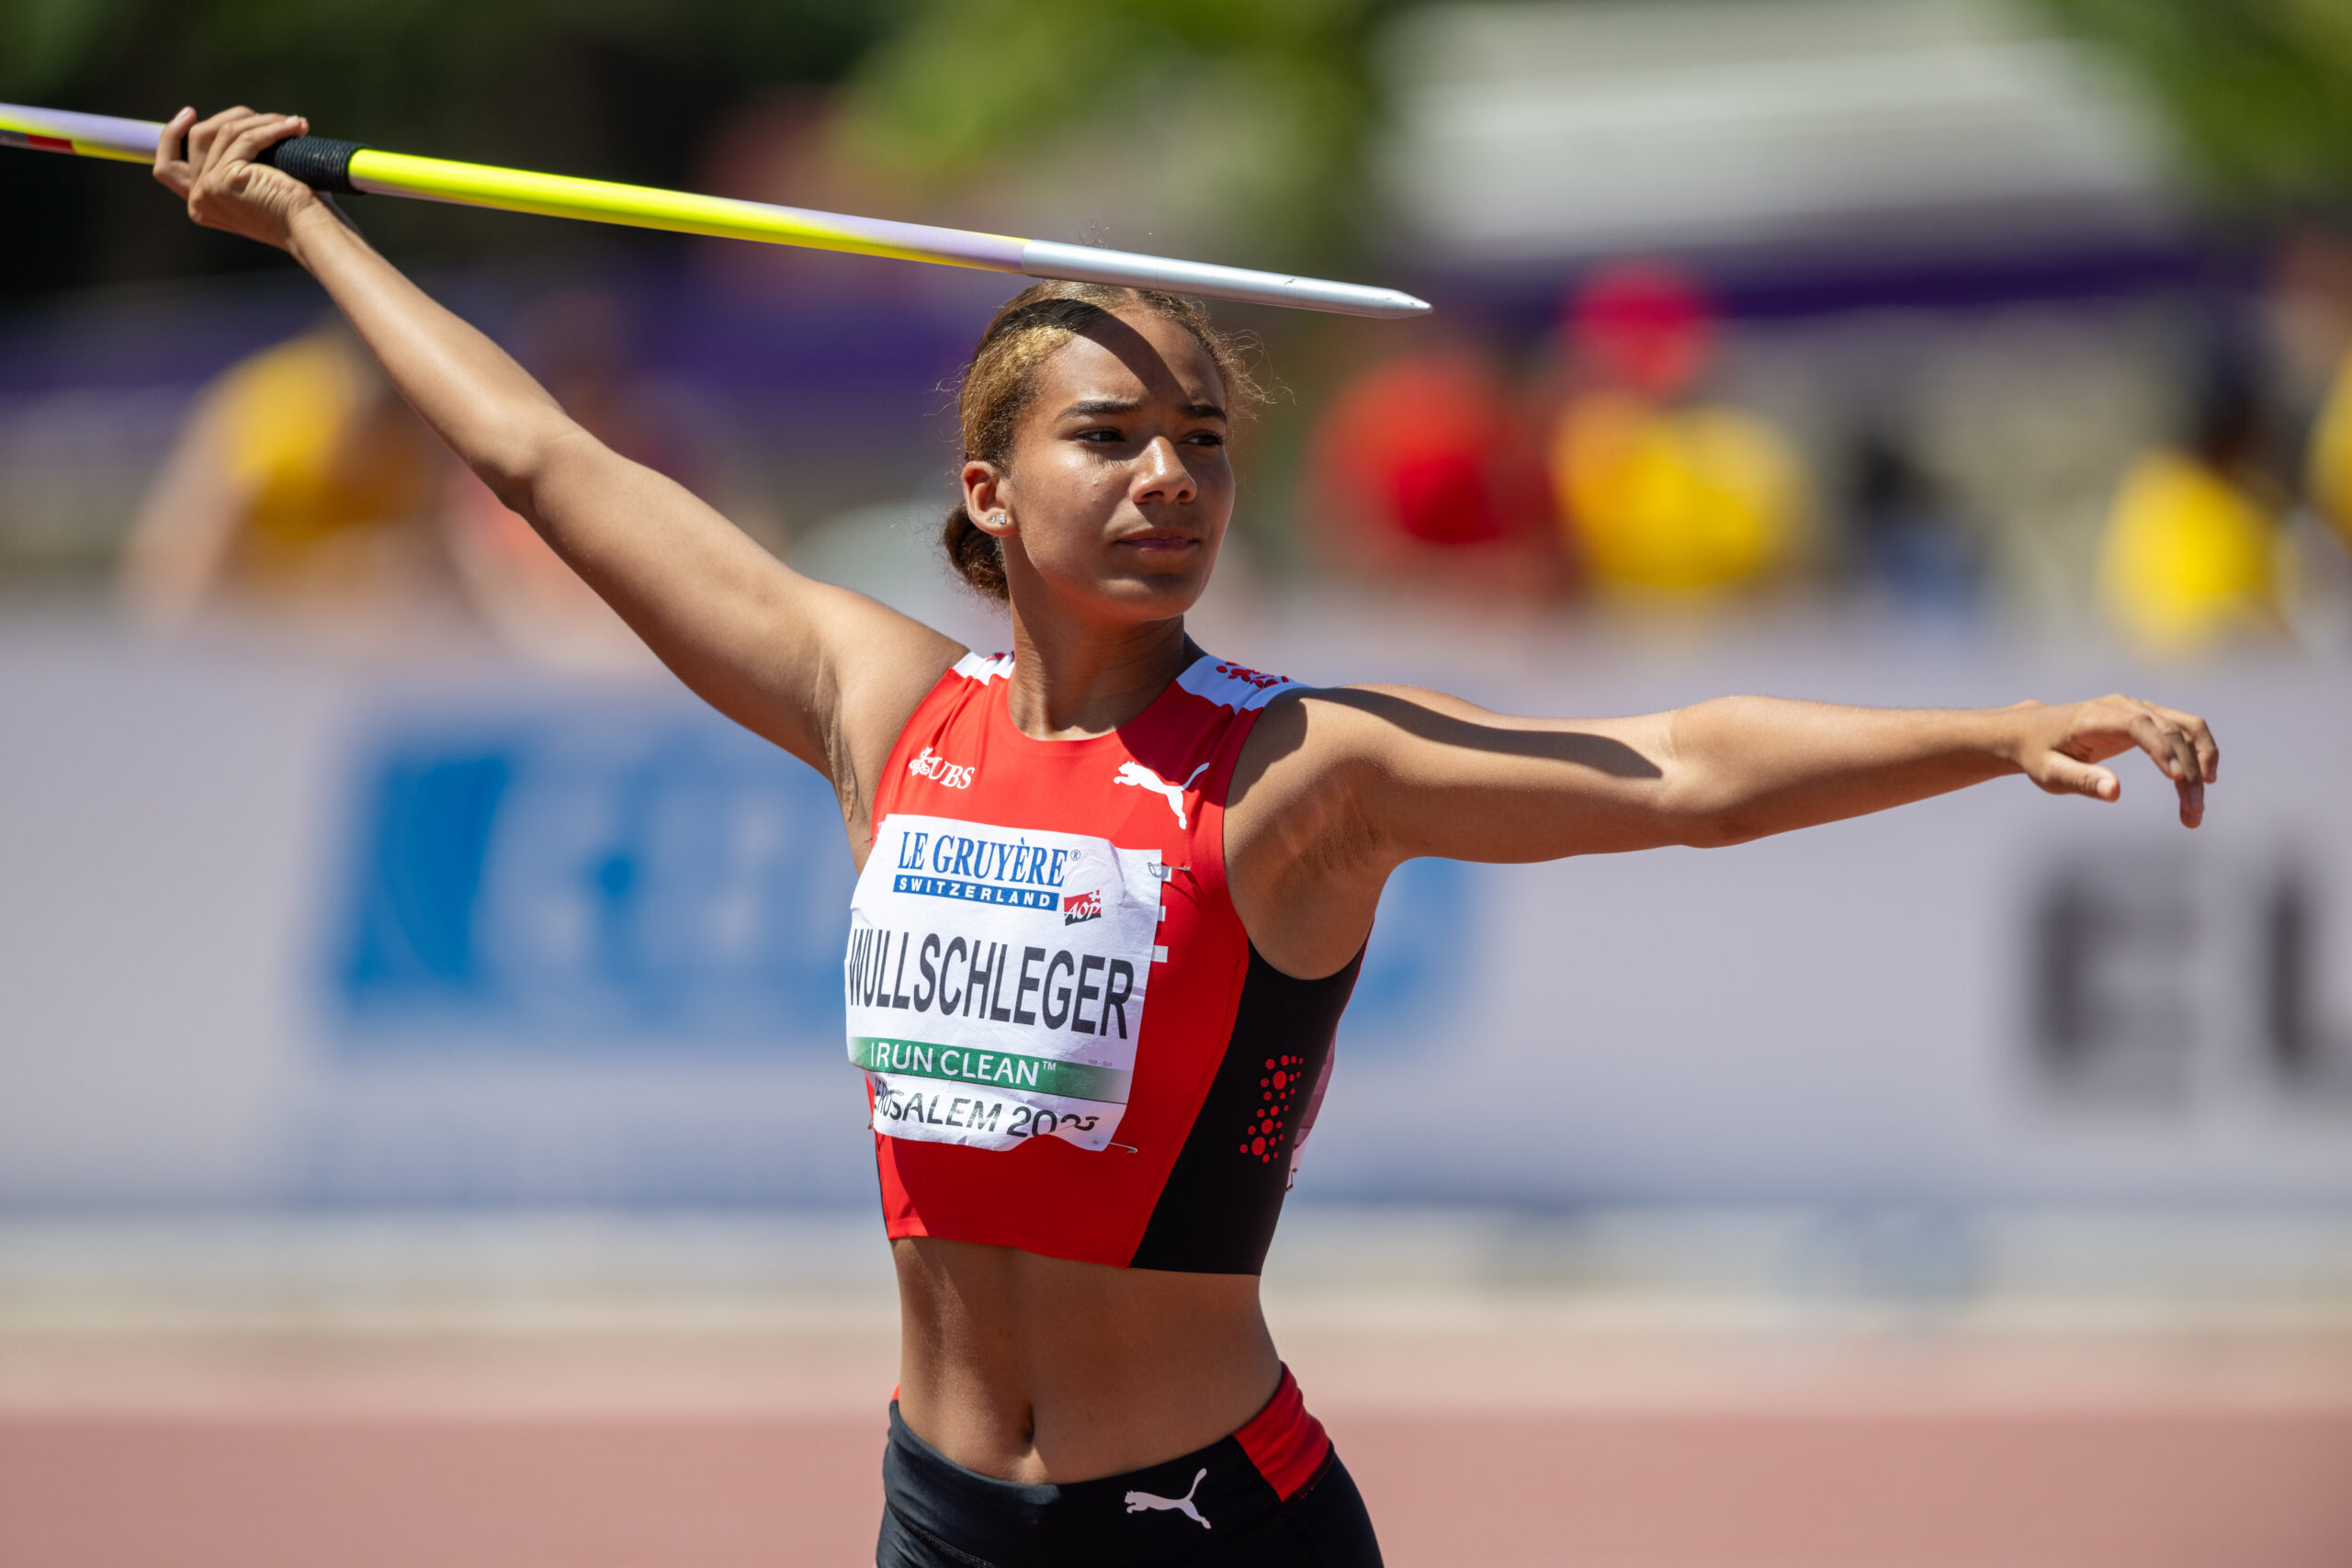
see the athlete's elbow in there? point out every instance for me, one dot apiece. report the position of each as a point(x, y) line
point(1721, 830)
point(1704, 812)
point(529, 461)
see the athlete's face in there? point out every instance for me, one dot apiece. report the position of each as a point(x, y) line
point(1119, 489)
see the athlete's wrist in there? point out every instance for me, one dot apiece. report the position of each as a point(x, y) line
point(2008, 733)
point(311, 228)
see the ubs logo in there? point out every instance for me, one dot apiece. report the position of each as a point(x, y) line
point(941, 772)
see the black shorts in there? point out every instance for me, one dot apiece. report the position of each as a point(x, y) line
point(1272, 1494)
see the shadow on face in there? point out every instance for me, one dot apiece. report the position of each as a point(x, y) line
point(1120, 488)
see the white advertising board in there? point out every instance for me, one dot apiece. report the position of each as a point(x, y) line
point(277, 930)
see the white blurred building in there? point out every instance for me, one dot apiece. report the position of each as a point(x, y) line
point(1521, 133)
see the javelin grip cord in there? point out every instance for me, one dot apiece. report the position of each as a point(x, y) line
point(320, 162)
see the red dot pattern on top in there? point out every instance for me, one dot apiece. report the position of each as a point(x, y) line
point(1263, 1136)
point(1256, 677)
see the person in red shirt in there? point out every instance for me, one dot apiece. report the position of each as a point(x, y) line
point(1113, 889)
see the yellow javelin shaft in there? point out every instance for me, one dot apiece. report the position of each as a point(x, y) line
point(682, 212)
point(328, 165)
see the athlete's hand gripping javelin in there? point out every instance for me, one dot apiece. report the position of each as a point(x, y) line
point(209, 165)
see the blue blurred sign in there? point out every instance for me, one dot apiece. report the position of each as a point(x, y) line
point(1418, 963)
point(641, 882)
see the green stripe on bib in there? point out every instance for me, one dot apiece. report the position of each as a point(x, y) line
point(997, 1069)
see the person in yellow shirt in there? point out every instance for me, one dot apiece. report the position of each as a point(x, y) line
point(1659, 494)
point(2188, 560)
point(2327, 471)
point(1675, 501)
point(300, 485)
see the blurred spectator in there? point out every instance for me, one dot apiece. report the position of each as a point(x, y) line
point(2310, 320)
point(299, 485)
point(2190, 556)
point(302, 489)
point(1911, 538)
point(1424, 473)
point(1657, 492)
point(2026, 416)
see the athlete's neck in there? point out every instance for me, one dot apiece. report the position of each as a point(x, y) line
point(1069, 683)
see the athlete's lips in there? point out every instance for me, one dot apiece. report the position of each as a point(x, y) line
point(1160, 539)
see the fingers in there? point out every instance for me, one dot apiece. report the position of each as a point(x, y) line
point(2166, 745)
point(172, 169)
point(206, 133)
point(226, 191)
point(236, 135)
point(2061, 775)
point(2181, 746)
point(2200, 737)
point(260, 131)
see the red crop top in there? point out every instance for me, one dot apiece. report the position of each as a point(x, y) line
point(1069, 1045)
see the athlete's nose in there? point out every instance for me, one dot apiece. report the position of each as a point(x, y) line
point(1162, 475)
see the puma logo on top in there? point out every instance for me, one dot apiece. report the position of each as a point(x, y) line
point(1138, 1501)
point(1136, 773)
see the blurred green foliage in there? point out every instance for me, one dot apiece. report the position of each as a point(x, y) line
point(1275, 93)
point(2259, 91)
point(621, 89)
point(519, 72)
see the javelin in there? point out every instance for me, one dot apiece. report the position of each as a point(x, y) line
point(330, 165)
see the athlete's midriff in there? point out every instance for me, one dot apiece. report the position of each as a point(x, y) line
point(1035, 1368)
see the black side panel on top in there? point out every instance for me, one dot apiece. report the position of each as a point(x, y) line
point(1217, 1213)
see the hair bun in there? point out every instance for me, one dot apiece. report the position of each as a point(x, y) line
point(976, 554)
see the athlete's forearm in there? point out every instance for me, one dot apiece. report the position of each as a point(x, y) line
point(497, 419)
point(1745, 767)
point(1408, 772)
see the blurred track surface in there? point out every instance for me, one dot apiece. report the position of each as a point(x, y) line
point(1607, 1449)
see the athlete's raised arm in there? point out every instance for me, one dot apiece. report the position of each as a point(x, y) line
point(827, 675)
point(1352, 782)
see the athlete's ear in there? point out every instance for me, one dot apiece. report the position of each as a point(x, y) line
point(988, 499)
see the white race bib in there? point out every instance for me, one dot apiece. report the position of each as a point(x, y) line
point(996, 981)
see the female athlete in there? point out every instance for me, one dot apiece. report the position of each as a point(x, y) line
point(1113, 891)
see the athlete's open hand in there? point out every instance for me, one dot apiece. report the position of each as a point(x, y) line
point(216, 175)
point(2060, 748)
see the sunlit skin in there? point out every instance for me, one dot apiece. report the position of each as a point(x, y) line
point(1111, 511)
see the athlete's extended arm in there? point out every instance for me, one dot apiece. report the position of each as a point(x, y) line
point(1351, 782)
point(1461, 783)
point(827, 674)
